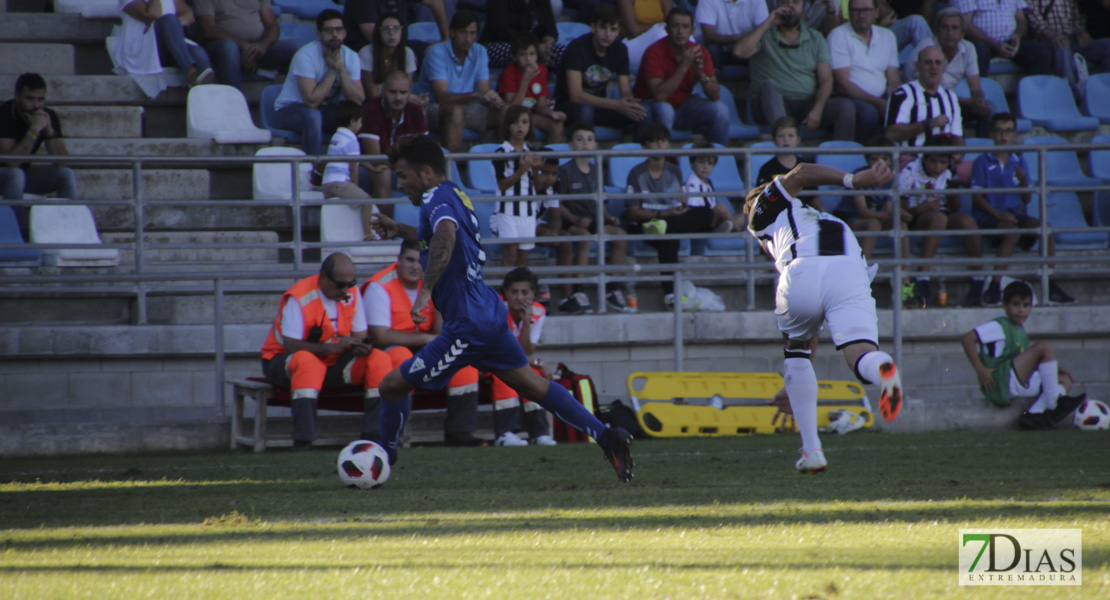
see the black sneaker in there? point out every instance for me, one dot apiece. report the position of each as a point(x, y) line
point(463, 438)
point(922, 293)
point(993, 295)
point(1065, 406)
point(1057, 295)
point(577, 304)
point(975, 293)
point(1034, 421)
point(616, 443)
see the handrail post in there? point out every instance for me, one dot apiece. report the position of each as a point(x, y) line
point(678, 343)
point(1042, 230)
point(137, 194)
point(599, 224)
point(218, 319)
point(749, 250)
point(896, 277)
point(297, 237)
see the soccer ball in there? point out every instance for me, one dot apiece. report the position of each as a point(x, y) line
point(363, 464)
point(1092, 415)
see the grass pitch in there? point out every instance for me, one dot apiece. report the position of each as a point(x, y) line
point(704, 518)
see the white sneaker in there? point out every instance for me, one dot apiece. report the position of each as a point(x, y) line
point(510, 439)
point(814, 462)
point(544, 440)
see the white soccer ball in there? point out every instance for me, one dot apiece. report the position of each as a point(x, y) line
point(363, 464)
point(1092, 415)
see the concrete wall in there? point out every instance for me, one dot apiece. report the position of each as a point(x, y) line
point(127, 388)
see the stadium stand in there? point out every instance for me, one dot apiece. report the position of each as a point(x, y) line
point(9, 234)
point(220, 112)
point(1047, 101)
point(1061, 166)
point(343, 223)
point(1065, 212)
point(72, 224)
point(274, 181)
point(997, 98)
point(1096, 97)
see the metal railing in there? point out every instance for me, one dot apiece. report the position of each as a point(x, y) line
point(144, 279)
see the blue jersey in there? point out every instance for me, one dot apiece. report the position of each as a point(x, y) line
point(467, 304)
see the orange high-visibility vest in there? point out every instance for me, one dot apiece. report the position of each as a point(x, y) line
point(308, 295)
point(400, 305)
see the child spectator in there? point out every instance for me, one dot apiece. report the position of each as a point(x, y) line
point(699, 183)
point(1003, 169)
point(662, 215)
point(932, 212)
point(1008, 364)
point(579, 218)
point(873, 212)
point(785, 134)
point(550, 220)
point(526, 319)
point(340, 177)
point(515, 219)
point(524, 82)
point(388, 51)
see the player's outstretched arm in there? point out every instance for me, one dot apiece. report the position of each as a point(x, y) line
point(388, 229)
point(811, 175)
point(439, 256)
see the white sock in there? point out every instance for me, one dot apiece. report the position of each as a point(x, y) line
point(801, 387)
point(867, 367)
point(1050, 387)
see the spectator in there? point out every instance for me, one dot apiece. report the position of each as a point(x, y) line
point(388, 52)
point(387, 120)
point(579, 217)
point(242, 36)
point(907, 20)
point(921, 110)
point(670, 69)
point(319, 339)
point(153, 33)
point(662, 215)
point(698, 182)
point(1059, 22)
point(550, 221)
point(526, 320)
point(873, 212)
point(361, 17)
point(516, 218)
point(785, 134)
point(791, 75)
point(388, 297)
point(524, 82)
point(456, 73)
point(506, 20)
point(590, 65)
point(1004, 210)
point(933, 212)
point(26, 125)
point(1008, 364)
point(340, 179)
point(864, 61)
point(962, 64)
point(999, 29)
point(724, 22)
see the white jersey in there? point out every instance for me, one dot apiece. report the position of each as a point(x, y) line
point(790, 229)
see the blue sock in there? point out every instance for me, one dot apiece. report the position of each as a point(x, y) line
point(393, 419)
point(560, 403)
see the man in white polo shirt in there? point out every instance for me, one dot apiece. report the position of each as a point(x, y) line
point(724, 22)
point(864, 61)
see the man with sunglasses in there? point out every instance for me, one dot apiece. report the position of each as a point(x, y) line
point(790, 74)
point(318, 340)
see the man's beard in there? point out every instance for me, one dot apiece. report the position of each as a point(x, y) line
point(790, 21)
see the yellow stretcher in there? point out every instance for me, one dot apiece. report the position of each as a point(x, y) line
point(670, 404)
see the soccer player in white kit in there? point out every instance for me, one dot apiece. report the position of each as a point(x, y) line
point(823, 278)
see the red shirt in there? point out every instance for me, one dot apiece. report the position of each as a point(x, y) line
point(377, 122)
point(660, 62)
point(509, 83)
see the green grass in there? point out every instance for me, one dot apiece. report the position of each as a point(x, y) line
point(704, 518)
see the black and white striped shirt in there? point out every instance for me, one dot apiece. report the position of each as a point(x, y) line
point(910, 103)
point(523, 187)
point(789, 229)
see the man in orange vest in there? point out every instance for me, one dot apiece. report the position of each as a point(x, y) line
point(387, 298)
point(319, 338)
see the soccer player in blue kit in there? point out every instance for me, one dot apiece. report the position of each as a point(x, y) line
point(475, 321)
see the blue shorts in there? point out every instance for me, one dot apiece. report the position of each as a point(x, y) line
point(432, 367)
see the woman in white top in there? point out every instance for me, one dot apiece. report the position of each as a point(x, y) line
point(387, 52)
point(153, 32)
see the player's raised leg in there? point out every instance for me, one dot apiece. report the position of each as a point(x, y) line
point(615, 442)
point(872, 365)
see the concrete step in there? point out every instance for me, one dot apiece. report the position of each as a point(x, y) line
point(45, 59)
point(197, 255)
point(116, 90)
point(101, 121)
point(157, 147)
point(50, 27)
point(207, 218)
point(158, 184)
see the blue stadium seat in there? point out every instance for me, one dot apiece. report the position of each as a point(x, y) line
point(1064, 212)
point(994, 94)
point(295, 30)
point(1047, 101)
point(570, 30)
point(758, 160)
point(266, 114)
point(1100, 159)
point(617, 175)
point(845, 162)
point(1002, 66)
point(1062, 166)
point(560, 148)
point(406, 213)
point(424, 32)
point(305, 9)
point(9, 234)
point(1096, 97)
point(737, 129)
point(479, 173)
point(1100, 208)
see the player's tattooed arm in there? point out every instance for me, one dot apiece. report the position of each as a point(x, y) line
point(439, 256)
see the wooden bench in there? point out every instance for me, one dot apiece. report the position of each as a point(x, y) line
point(265, 430)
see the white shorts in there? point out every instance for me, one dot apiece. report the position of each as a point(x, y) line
point(832, 289)
point(1030, 390)
point(512, 226)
